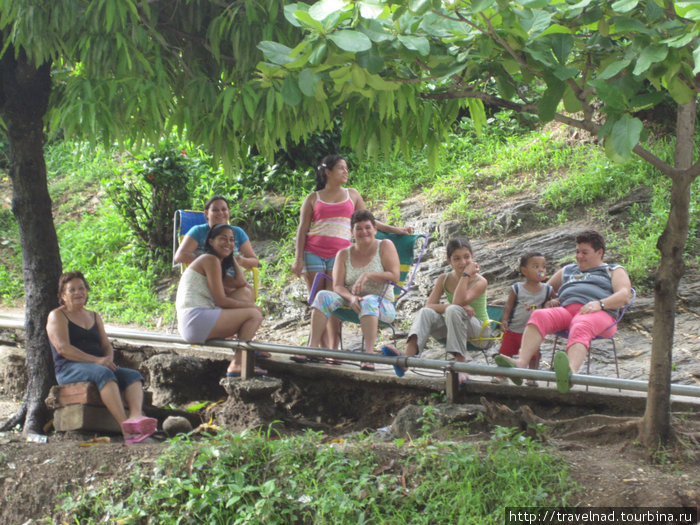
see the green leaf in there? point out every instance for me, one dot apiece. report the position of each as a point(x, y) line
point(416, 43)
point(306, 19)
point(477, 113)
point(547, 107)
point(696, 58)
point(571, 103)
point(614, 68)
point(562, 44)
point(680, 91)
point(318, 54)
point(482, 5)
point(373, 9)
point(419, 7)
point(307, 82)
point(624, 6)
point(321, 10)
point(275, 53)
point(625, 135)
point(371, 61)
point(352, 41)
point(290, 92)
point(649, 55)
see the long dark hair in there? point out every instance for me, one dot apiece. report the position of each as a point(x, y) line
point(457, 243)
point(326, 163)
point(215, 231)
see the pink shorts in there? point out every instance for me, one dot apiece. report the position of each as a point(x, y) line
point(582, 327)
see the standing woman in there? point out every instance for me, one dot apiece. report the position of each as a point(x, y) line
point(204, 311)
point(360, 276)
point(217, 211)
point(82, 352)
point(324, 228)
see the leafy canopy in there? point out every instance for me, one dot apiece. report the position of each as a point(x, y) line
point(127, 69)
point(401, 70)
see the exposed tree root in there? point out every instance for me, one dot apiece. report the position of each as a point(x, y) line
point(592, 426)
point(15, 419)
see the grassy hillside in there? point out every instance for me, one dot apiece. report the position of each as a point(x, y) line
point(568, 177)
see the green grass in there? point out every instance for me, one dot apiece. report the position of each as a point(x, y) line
point(568, 180)
point(257, 478)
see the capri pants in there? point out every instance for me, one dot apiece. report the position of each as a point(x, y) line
point(79, 371)
point(582, 327)
point(327, 302)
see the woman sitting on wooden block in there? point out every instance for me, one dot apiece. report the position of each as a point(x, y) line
point(82, 352)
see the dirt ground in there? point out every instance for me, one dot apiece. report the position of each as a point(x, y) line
point(610, 469)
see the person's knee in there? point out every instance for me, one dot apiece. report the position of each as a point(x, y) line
point(453, 310)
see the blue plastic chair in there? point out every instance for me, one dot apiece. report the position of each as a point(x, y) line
point(186, 219)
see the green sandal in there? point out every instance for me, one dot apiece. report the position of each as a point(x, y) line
point(562, 370)
point(504, 362)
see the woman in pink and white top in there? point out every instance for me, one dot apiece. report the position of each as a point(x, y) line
point(324, 227)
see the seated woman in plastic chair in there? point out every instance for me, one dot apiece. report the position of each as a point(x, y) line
point(590, 293)
point(360, 275)
point(216, 211)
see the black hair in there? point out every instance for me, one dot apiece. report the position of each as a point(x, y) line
point(362, 216)
point(65, 278)
point(456, 244)
point(326, 163)
point(593, 238)
point(215, 231)
point(526, 258)
point(216, 198)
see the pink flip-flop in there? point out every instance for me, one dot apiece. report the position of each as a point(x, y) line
point(137, 438)
point(140, 426)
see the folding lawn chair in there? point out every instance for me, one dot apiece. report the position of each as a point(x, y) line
point(182, 222)
point(405, 246)
point(485, 336)
point(564, 334)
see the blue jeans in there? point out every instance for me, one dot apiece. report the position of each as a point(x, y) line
point(78, 371)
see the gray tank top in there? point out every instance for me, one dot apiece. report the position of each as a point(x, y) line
point(583, 286)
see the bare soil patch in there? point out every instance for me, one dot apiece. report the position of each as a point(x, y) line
point(608, 467)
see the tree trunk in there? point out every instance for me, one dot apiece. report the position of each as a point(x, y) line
point(24, 95)
point(656, 424)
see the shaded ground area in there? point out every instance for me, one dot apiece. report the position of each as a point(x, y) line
point(609, 468)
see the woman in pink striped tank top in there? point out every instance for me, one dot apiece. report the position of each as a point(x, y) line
point(324, 228)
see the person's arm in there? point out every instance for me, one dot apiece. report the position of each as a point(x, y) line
point(360, 205)
point(464, 294)
point(507, 309)
point(57, 331)
point(622, 288)
point(304, 224)
point(186, 251)
point(390, 266)
point(339, 280)
point(433, 300)
point(247, 258)
point(211, 267)
point(555, 283)
point(237, 280)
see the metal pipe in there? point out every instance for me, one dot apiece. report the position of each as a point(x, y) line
point(416, 362)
